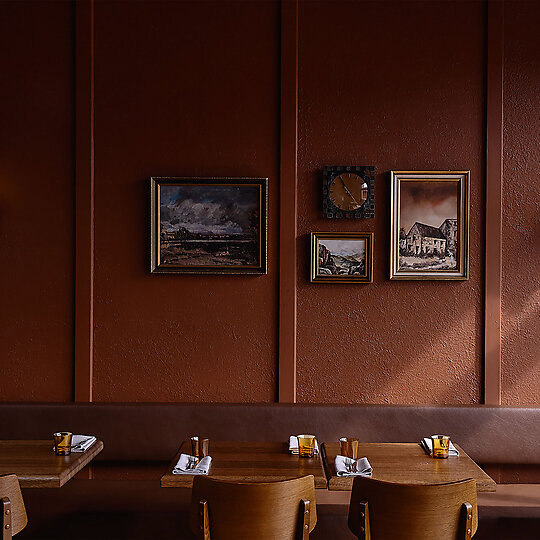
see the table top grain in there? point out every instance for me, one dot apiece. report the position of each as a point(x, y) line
point(37, 466)
point(250, 462)
point(407, 463)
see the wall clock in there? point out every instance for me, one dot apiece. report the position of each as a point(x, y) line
point(349, 192)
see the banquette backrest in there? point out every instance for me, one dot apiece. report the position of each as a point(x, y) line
point(140, 431)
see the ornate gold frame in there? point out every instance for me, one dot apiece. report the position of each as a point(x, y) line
point(463, 177)
point(314, 259)
point(157, 267)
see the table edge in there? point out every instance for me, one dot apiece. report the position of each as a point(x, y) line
point(64, 476)
point(486, 485)
point(166, 480)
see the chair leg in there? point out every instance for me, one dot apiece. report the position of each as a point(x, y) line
point(466, 520)
point(6, 519)
point(204, 520)
point(305, 512)
point(364, 530)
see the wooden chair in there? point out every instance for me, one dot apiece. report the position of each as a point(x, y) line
point(14, 518)
point(223, 510)
point(381, 510)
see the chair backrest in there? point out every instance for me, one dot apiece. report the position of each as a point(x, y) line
point(12, 500)
point(248, 510)
point(405, 511)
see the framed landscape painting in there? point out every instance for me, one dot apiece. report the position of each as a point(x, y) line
point(341, 257)
point(209, 225)
point(429, 225)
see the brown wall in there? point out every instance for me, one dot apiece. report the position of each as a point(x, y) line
point(36, 201)
point(182, 91)
point(192, 88)
point(404, 93)
point(521, 207)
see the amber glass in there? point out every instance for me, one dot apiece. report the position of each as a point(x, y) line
point(306, 445)
point(203, 447)
point(349, 447)
point(195, 447)
point(441, 445)
point(199, 447)
point(62, 443)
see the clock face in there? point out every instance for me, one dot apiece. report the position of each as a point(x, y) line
point(348, 191)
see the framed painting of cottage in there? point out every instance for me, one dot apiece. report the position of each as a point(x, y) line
point(209, 225)
point(429, 225)
point(341, 257)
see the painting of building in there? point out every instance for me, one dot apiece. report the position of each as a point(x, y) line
point(428, 217)
point(424, 240)
point(449, 228)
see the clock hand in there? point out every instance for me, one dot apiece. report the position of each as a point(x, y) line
point(348, 192)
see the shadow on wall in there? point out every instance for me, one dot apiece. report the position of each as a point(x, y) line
point(520, 324)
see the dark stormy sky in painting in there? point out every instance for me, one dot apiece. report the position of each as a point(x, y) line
point(217, 209)
point(427, 202)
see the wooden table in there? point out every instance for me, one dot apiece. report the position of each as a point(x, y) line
point(37, 466)
point(250, 462)
point(407, 463)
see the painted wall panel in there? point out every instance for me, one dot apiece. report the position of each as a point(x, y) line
point(182, 89)
point(399, 86)
point(36, 201)
point(521, 207)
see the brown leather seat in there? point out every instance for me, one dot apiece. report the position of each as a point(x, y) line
point(488, 434)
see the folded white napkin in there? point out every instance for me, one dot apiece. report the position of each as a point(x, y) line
point(346, 466)
point(427, 444)
point(81, 443)
point(189, 465)
point(293, 445)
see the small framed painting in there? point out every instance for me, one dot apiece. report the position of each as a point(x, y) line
point(209, 225)
point(341, 257)
point(429, 225)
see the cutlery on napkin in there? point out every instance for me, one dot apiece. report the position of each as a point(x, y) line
point(81, 443)
point(293, 445)
point(191, 465)
point(346, 466)
point(427, 444)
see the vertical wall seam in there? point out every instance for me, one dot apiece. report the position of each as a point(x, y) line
point(494, 179)
point(84, 200)
point(288, 202)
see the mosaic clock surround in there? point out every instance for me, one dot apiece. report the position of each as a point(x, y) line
point(349, 191)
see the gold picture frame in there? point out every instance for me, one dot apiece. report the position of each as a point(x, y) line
point(208, 225)
point(341, 257)
point(429, 225)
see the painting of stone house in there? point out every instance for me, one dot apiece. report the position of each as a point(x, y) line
point(425, 240)
point(428, 214)
point(449, 228)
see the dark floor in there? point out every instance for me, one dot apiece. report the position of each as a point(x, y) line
point(513, 524)
point(140, 510)
point(167, 526)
